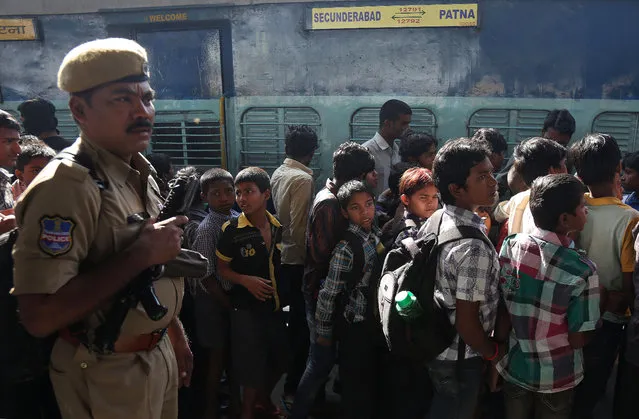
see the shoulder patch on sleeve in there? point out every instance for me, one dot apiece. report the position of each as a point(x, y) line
point(56, 235)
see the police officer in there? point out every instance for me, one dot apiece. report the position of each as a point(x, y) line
point(80, 243)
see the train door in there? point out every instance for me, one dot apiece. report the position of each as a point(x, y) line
point(186, 72)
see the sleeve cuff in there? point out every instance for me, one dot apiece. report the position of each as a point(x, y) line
point(326, 334)
point(222, 257)
point(42, 276)
point(588, 326)
point(470, 297)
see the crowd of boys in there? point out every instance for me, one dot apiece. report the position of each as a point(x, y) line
point(542, 320)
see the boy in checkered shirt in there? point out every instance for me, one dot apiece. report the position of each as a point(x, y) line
point(551, 292)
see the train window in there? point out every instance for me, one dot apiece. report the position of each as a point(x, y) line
point(264, 132)
point(621, 125)
point(191, 138)
point(514, 124)
point(66, 125)
point(365, 123)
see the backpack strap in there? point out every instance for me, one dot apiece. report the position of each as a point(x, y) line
point(458, 233)
point(359, 259)
point(410, 245)
point(463, 232)
point(409, 223)
point(452, 235)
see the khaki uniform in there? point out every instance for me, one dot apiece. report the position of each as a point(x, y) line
point(67, 226)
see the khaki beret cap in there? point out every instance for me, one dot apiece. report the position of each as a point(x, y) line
point(96, 63)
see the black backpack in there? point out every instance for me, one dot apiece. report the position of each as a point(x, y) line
point(413, 267)
point(395, 226)
point(22, 357)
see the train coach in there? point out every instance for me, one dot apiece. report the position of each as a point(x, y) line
point(231, 77)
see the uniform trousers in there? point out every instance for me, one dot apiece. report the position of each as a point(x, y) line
point(141, 385)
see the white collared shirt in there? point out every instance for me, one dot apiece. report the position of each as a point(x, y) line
point(6, 194)
point(385, 157)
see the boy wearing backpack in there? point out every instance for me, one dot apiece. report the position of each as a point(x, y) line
point(326, 224)
point(343, 311)
point(552, 294)
point(466, 280)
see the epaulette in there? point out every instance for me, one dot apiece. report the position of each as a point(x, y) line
point(84, 160)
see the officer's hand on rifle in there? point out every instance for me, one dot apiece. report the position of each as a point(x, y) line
point(160, 242)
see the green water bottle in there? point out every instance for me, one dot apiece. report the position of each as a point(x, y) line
point(407, 305)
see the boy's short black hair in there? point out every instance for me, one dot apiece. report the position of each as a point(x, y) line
point(33, 151)
point(596, 158)
point(255, 175)
point(392, 110)
point(26, 139)
point(301, 141)
point(213, 175)
point(351, 161)
point(414, 144)
point(8, 121)
point(560, 120)
point(534, 157)
point(553, 195)
point(349, 189)
point(631, 161)
point(493, 137)
point(38, 116)
point(396, 172)
point(453, 163)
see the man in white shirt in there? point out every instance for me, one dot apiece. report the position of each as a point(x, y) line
point(292, 187)
point(394, 119)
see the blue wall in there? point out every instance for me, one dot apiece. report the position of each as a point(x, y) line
point(523, 49)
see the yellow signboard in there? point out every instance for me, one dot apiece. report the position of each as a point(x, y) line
point(18, 30)
point(414, 16)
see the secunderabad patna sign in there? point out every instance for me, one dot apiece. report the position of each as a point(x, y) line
point(408, 16)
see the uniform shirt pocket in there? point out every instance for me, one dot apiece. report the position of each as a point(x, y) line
point(125, 235)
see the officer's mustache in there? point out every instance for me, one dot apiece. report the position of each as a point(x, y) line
point(140, 123)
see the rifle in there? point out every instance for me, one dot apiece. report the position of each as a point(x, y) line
point(182, 191)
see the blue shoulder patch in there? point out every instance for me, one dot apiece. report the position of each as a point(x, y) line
point(56, 235)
